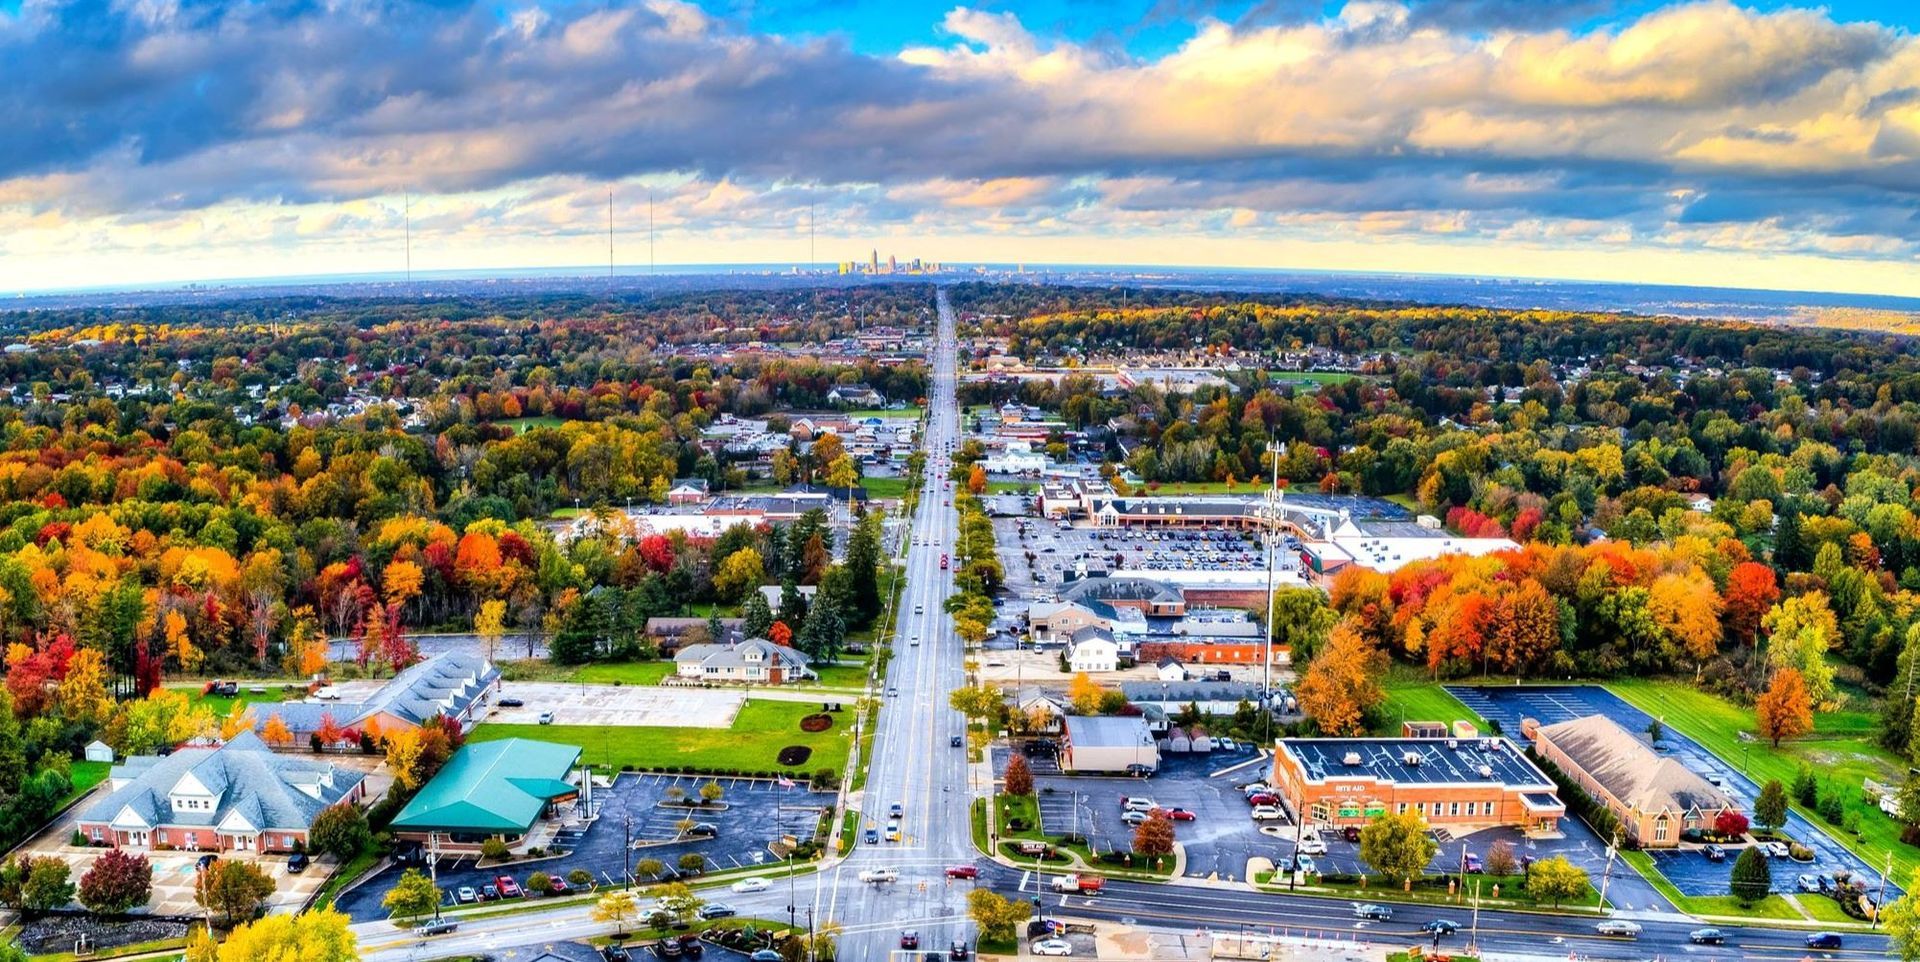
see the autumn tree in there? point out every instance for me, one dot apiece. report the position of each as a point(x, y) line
point(119, 880)
point(490, 623)
point(1555, 880)
point(1154, 837)
point(233, 888)
point(1017, 777)
point(275, 732)
point(998, 917)
point(739, 573)
point(616, 907)
point(1751, 591)
point(977, 480)
point(1084, 694)
point(340, 830)
point(1342, 683)
point(1397, 846)
point(1803, 629)
point(412, 896)
point(1784, 710)
point(1686, 608)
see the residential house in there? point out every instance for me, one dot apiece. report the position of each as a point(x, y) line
point(755, 661)
point(1093, 650)
point(687, 491)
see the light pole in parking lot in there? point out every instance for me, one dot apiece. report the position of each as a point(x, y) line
point(1269, 512)
point(626, 820)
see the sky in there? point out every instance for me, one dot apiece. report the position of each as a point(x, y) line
point(1761, 145)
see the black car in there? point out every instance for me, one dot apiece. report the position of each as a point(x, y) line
point(717, 910)
point(511, 703)
point(1707, 937)
point(1440, 927)
point(297, 862)
point(615, 953)
point(703, 830)
point(1823, 940)
point(957, 741)
point(1351, 833)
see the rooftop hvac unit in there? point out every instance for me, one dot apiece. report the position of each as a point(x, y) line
point(1491, 744)
point(1351, 758)
point(1453, 744)
point(1411, 757)
point(1486, 771)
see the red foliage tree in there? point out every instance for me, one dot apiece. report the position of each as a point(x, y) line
point(1751, 591)
point(657, 551)
point(780, 634)
point(1730, 823)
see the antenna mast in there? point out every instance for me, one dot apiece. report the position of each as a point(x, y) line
point(406, 206)
point(812, 262)
point(609, 233)
point(650, 262)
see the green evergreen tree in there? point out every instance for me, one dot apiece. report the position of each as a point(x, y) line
point(757, 615)
point(1752, 877)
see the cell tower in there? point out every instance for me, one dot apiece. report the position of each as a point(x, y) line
point(609, 233)
point(406, 208)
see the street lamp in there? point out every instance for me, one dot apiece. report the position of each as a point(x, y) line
point(626, 819)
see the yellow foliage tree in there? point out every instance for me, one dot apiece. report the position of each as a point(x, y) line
point(240, 719)
point(1084, 694)
point(275, 731)
point(83, 693)
point(318, 936)
point(402, 581)
point(180, 644)
point(403, 756)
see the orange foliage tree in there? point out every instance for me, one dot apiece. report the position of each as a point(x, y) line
point(1785, 709)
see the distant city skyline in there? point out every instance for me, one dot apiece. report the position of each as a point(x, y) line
point(1761, 146)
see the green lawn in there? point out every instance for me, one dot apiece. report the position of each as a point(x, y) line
point(1013, 487)
point(623, 672)
point(1841, 751)
point(1822, 908)
point(888, 488)
point(1433, 891)
point(1412, 697)
point(523, 425)
point(1311, 377)
point(1771, 907)
point(85, 776)
point(752, 744)
point(222, 705)
point(844, 674)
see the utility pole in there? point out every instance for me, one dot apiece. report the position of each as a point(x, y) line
point(1270, 515)
point(1473, 941)
point(626, 819)
point(1880, 901)
point(1606, 875)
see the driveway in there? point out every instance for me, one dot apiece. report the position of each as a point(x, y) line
point(1690, 872)
point(757, 813)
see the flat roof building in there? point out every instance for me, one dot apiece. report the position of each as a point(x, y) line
point(1108, 743)
point(1462, 785)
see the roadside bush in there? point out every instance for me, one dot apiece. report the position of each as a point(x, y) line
point(539, 883)
point(1799, 852)
point(493, 848)
point(580, 878)
point(1831, 808)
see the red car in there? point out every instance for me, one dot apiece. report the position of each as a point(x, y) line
point(556, 885)
point(1263, 798)
point(509, 889)
point(1179, 815)
point(963, 871)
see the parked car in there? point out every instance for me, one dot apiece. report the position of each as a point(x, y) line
point(1618, 927)
point(1052, 947)
point(1137, 803)
point(755, 884)
point(1778, 849)
point(1225, 745)
point(546, 718)
point(1472, 863)
point(962, 871)
point(437, 927)
point(910, 939)
point(717, 910)
point(615, 953)
point(703, 830)
point(1180, 815)
point(1255, 788)
point(1132, 817)
point(508, 887)
point(297, 862)
point(1311, 846)
point(511, 703)
point(764, 955)
point(1707, 936)
point(1807, 883)
point(1351, 833)
point(1440, 927)
point(1305, 864)
point(957, 950)
point(557, 885)
point(1823, 940)
point(1266, 813)
point(1714, 853)
point(1368, 910)
point(1263, 798)
point(489, 893)
point(466, 894)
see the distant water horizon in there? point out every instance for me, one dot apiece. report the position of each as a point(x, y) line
point(1695, 302)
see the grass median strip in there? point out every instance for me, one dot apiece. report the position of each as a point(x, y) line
point(752, 744)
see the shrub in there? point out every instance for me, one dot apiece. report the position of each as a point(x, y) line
point(540, 883)
point(493, 848)
point(1752, 877)
point(816, 722)
point(580, 878)
point(1799, 852)
point(78, 839)
point(1806, 791)
point(1730, 823)
point(1831, 808)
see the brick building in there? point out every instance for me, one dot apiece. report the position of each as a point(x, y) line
point(1462, 785)
point(1654, 797)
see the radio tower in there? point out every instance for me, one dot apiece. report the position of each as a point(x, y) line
point(609, 234)
point(812, 262)
point(650, 264)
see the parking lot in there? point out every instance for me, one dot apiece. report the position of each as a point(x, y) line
point(1691, 872)
point(756, 813)
point(1056, 550)
point(619, 705)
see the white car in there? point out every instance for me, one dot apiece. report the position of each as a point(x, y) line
point(877, 875)
point(1225, 745)
point(1052, 947)
point(1778, 849)
point(752, 885)
point(1311, 846)
point(1620, 927)
point(1256, 788)
point(1267, 813)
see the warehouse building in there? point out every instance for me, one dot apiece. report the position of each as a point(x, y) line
point(1091, 743)
point(1461, 785)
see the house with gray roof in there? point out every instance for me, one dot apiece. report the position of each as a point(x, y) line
point(1148, 596)
point(1654, 796)
point(456, 684)
point(755, 661)
point(238, 797)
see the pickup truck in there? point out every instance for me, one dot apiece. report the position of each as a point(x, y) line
point(1084, 884)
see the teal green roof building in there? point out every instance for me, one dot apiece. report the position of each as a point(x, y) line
point(492, 788)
